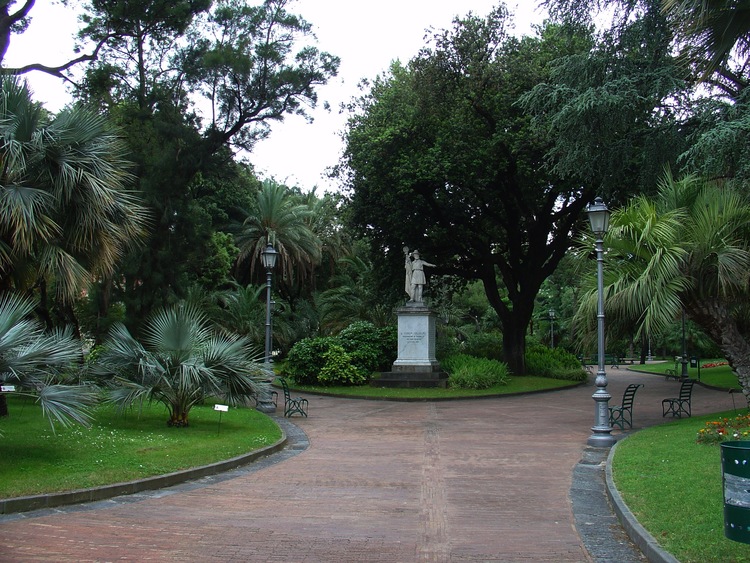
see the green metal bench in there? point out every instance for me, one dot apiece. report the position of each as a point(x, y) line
point(292, 405)
point(622, 415)
point(677, 406)
point(675, 373)
point(609, 359)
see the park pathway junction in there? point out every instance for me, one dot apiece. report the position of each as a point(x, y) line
point(507, 479)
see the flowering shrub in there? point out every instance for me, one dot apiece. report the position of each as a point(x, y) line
point(714, 364)
point(717, 431)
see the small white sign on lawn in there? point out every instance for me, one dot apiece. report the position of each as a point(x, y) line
point(222, 408)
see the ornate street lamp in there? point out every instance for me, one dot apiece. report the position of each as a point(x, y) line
point(268, 260)
point(552, 328)
point(602, 437)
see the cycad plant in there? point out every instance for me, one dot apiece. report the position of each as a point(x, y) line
point(181, 361)
point(39, 364)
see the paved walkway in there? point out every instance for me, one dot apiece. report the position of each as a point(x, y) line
point(469, 480)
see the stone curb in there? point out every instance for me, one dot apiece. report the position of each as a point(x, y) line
point(437, 399)
point(637, 533)
point(37, 502)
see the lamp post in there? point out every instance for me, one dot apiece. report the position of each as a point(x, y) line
point(602, 431)
point(684, 373)
point(268, 260)
point(552, 328)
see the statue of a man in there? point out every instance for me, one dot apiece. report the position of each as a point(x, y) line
point(415, 278)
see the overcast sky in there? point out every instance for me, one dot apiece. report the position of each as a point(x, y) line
point(366, 35)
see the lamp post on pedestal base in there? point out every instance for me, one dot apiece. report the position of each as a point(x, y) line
point(602, 429)
point(268, 259)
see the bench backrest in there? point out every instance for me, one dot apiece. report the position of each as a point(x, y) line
point(629, 395)
point(285, 387)
point(686, 389)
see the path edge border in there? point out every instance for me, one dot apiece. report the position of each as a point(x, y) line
point(636, 532)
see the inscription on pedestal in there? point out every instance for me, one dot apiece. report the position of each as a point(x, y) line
point(413, 336)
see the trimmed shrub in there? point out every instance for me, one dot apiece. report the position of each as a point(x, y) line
point(470, 372)
point(339, 368)
point(554, 363)
point(306, 359)
point(371, 348)
point(485, 345)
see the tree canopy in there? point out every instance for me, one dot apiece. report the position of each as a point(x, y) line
point(441, 156)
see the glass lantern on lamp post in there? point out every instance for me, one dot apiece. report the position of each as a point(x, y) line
point(602, 431)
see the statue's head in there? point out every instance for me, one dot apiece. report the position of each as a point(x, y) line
point(415, 254)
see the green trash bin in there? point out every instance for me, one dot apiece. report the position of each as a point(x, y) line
point(735, 469)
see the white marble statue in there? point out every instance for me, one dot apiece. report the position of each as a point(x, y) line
point(415, 279)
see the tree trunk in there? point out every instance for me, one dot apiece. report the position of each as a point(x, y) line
point(3, 405)
point(514, 350)
point(719, 323)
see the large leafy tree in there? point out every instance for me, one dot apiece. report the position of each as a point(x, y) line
point(180, 361)
point(615, 112)
point(67, 217)
point(441, 156)
point(248, 65)
point(686, 250)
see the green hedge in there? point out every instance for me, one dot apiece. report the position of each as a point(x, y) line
point(470, 372)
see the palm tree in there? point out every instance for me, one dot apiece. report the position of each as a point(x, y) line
point(351, 297)
point(688, 250)
point(39, 364)
point(279, 218)
point(181, 362)
point(713, 28)
point(65, 216)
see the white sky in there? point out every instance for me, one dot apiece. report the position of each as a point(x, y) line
point(367, 36)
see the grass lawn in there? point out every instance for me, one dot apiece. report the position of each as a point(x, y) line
point(517, 384)
point(118, 448)
point(673, 486)
point(720, 376)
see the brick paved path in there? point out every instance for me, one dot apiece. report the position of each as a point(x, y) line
point(474, 480)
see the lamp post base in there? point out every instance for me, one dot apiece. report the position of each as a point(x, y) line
point(602, 429)
point(601, 439)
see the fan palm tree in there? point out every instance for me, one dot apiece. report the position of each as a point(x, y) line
point(38, 364)
point(714, 28)
point(688, 250)
point(351, 298)
point(182, 361)
point(280, 219)
point(65, 215)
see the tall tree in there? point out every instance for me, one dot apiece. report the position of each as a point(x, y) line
point(67, 217)
point(441, 156)
point(253, 64)
point(616, 112)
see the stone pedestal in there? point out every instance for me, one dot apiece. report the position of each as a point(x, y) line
point(416, 365)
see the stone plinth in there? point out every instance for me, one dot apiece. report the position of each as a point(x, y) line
point(416, 365)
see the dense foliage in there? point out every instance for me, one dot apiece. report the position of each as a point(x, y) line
point(470, 372)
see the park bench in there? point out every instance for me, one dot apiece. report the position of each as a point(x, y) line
point(292, 405)
point(675, 373)
point(677, 406)
point(621, 415)
point(609, 359)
